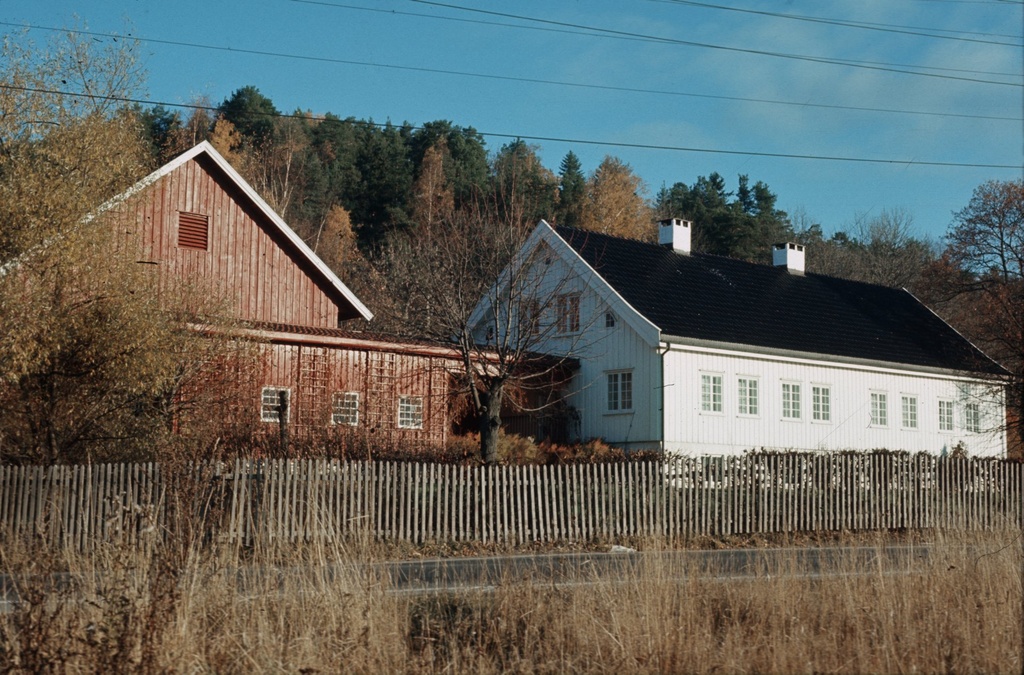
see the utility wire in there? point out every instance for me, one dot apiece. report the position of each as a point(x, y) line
point(689, 43)
point(638, 38)
point(552, 139)
point(885, 28)
point(527, 80)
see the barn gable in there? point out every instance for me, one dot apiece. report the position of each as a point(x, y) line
point(196, 218)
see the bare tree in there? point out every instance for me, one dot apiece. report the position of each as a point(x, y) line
point(442, 272)
point(984, 283)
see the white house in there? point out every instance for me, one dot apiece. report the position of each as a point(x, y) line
point(701, 354)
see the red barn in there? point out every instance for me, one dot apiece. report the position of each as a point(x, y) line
point(196, 218)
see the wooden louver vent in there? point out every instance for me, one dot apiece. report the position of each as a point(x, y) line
point(193, 231)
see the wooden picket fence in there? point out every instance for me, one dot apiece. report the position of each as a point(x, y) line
point(303, 500)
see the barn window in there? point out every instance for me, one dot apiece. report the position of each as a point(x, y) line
point(972, 417)
point(569, 313)
point(879, 409)
point(909, 412)
point(748, 398)
point(275, 404)
point(193, 231)
point(821, 403)
point(410, 412)
point(711, 393)
point(620, 391)
point(790, 400)
point(345, 408)
point(945, 415)
point(609, 320)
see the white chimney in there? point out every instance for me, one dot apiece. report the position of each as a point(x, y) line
point(790, 256)
point(675, 232)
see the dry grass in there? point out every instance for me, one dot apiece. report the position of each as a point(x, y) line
point(130, 612)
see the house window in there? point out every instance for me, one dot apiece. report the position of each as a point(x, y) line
point(533, 314)
point(609, 320)
point(821, 403)
point(879, 409)
point(569, 313)
point(909, 412)
point(193, 231)
point(345, 408)
point(945, 415)
point(790, 400)
point(410, 412)
point(748, 397)
point(711, 393)
point(620, 391)
point(972, 417)
point(273, 402)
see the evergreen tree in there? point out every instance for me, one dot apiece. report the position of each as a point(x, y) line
point(251, 113)
point(572, 191)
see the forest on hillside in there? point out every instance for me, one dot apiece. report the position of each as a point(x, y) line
point(351, 188)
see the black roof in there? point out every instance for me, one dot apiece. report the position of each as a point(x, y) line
point(708, 297)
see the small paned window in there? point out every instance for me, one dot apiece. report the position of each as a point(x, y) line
point(275, 404)
point(972, 417)
point(790, 400)
point(945, 415)
point(620, 391)
point(879, 409)
point(345, 408)
point(193, 231)
point(569, 313)
point(711, 393)
point(533, 316)
point(909, 412)
point(410, 412)
point(748, 398)
point(821, 403)
point(609, 320)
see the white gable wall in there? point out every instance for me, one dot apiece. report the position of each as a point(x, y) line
point(691, 430)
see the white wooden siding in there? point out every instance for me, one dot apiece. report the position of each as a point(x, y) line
point(601, 350)
point(689, 430)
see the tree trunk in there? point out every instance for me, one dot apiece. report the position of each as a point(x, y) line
point(490, 422)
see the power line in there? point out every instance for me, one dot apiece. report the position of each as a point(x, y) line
point(551, 139)
point(637, 37)
point(526, 80)
point(886, 28)
point(689, 43)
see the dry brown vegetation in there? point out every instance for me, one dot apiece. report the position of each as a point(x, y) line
point(130, 611)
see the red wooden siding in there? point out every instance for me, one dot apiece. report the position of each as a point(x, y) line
point(314, 374)
point(246, 260)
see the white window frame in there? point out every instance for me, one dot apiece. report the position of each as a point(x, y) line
point(821, 403)
point(712, 398)
point(947, 415)
point(972, 418)
point(345, 408)
point(910, 412)
point(568, 306)
point(748, 395)
point(619, 390)
point(609, 320)
point(880, 409)
point(792, 406)
point(269, 407)
point(410, 412)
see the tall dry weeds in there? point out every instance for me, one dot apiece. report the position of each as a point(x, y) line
point(315, 609)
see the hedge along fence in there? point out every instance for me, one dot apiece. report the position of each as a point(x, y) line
point(303, 500)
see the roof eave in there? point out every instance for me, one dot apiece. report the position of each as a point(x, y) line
point(746, 349)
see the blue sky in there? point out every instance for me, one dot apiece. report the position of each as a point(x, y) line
point(669, 75)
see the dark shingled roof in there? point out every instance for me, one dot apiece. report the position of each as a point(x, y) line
point(707, 297)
